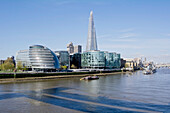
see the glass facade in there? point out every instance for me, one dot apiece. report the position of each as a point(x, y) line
point(75, 61)
point(63, 57)
point(100, 60)
point(93, 59)
point(42, 58)
point(23, 57)
point(91, 39)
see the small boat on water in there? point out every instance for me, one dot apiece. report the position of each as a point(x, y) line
point(150, 69)
point(90, 78)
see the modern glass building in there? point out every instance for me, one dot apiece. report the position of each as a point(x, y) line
point(42, 58)
point(113, 60)
point(63, 57)
point(22, 57)
point(117, 60)
point(100, 60)
point(91, 39)
point(75, 61)
point(93, 59)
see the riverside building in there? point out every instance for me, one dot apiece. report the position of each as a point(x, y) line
point(100, 60)
point(63, 57)
point(22, 57)
point(77, 49)
point(38, 58)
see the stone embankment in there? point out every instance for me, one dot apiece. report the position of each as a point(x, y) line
point(50, 76)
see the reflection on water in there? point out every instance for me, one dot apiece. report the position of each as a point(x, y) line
point(133, 92)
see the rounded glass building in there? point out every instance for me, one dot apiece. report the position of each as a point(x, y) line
point(43, 59)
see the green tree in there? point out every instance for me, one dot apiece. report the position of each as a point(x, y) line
point(0, 67)
point(8, 65)
point(19, 65)
point(25, 68)
point(126, 66)
point(64, 67)
point(73, 66)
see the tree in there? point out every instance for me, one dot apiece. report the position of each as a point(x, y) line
point(64, 67)
point(73, 66)
point(126, 66)
point(8, 65)
point(19, 65)
point(25, 68)
point(0, 67)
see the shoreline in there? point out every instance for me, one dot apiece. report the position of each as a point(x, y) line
point(33, 79)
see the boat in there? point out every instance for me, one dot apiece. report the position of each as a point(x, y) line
point(147, 72)
point(90, 78)
point(150, 69)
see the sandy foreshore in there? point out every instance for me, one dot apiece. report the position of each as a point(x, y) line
point(29, 79)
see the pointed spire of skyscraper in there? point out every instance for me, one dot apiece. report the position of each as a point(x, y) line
point(91, 39)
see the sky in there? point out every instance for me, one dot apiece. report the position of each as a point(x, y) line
point(133, 28)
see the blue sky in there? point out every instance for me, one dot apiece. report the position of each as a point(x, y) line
point(134, 28)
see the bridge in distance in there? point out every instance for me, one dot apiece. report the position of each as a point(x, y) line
point(163, 65)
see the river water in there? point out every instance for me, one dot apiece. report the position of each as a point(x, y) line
point(131, 92)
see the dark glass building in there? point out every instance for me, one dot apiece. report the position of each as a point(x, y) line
point(63, 57)
point(75, 61)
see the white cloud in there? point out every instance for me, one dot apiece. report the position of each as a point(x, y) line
point(128, 35)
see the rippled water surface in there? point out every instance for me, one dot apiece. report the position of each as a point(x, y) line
point(133, 92)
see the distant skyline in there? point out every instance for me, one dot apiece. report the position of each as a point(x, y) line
point(133, 28)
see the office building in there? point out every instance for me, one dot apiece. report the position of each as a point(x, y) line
point(77, 49)
point(100, 60)
point(70, 48)
point(93, 60)
point(63, 57)
point(75, 61)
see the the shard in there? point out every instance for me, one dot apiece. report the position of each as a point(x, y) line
point(91, 39)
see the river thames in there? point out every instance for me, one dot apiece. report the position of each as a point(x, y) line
point(131, 92)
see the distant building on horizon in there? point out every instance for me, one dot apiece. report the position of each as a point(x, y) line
point(91, 39)
point(70, 48)
point(74, 49)
point(77, 49)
